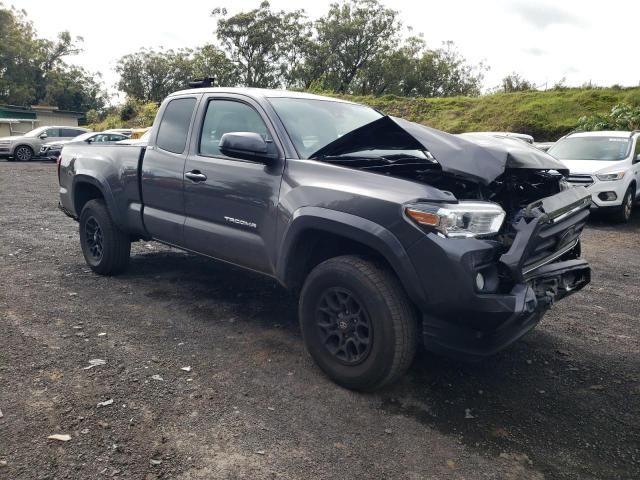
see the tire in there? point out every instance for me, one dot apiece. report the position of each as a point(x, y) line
point(386, 319)
point(105, 247)
point(623, 213)
point(23, 153)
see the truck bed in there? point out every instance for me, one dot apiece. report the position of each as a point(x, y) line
point(116, 168)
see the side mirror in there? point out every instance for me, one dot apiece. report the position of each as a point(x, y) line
point(89, 140)
point(247, 146)
point(43, 135)
point(637, 159)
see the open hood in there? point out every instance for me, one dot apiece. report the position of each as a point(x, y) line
point(481, 158)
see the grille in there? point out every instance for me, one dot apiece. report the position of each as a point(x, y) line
point(582, 180)
point(555, 239)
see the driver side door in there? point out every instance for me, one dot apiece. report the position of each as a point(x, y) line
point(230, 203)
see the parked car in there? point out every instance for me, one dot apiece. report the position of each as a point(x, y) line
point(143, 140)
point(544, 146)
point(25, 147)
point(520, 136)
point(123, 131)
point(389, 231)
point(52, 150)
point(136, 133)
point(607, 163)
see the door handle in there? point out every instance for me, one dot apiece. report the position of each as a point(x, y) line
point(196, 176)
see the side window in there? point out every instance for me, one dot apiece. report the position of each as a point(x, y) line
point(636, 153)
point(53, 132)
point(226, 116)
point(69, 132)
point(174, 126)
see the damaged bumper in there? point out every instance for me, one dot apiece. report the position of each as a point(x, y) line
point(472, 318)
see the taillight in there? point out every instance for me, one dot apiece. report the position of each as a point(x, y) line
point(58, 166)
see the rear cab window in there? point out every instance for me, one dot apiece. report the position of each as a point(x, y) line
point(174, 125)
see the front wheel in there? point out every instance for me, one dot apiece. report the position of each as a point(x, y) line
point(105, 247)
point(23, 153)
point(624, 211)
point(357, 323)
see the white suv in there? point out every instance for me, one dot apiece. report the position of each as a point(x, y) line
point(608, 164)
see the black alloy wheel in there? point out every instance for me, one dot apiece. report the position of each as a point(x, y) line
point(344, 326)
point(94, 238)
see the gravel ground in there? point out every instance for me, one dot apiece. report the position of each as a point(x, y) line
point(564, 402)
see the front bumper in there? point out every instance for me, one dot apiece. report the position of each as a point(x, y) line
point(600, 190)
point(50, 153)
point(540, 268)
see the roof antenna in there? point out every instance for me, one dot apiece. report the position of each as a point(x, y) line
point(202, 83)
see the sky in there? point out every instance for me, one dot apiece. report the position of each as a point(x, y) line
point(542, 40)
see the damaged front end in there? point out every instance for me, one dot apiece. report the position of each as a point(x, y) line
point(494, 259)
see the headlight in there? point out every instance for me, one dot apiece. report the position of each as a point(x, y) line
point(464, 219)
point(607, 177)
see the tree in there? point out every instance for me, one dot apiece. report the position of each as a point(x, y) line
point(18, 68)
point(515, 83)
point(414, 70)
point(210, 61)
point(151, 75)
point(73, 88)
point(349, 38)
point(33, 71)
point(265, 46)
point(394, 72)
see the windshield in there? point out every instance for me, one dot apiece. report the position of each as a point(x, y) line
point(591, 148)
point(312, 124)
point(36, 132)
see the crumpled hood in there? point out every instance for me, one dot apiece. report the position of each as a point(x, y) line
point(481, 158)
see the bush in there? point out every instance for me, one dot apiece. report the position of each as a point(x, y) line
point(132, 114)
point(621, 117)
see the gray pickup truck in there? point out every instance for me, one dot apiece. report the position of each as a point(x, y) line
point(388, 231)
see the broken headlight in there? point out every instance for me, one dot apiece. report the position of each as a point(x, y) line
point(459, 220)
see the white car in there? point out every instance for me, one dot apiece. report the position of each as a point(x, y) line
point(520, 136)
point(607, 163)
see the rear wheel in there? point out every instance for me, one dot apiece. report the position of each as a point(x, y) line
point(624, 211)
point(357, 323)
point(106, 248)
point(23, 153)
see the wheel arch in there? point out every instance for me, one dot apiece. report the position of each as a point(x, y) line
point(85, 188)
point(315, 234)
point(33, 152)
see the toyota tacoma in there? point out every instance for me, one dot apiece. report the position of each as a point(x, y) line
point(389, 232)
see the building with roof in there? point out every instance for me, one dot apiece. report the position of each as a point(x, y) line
point(15, 120)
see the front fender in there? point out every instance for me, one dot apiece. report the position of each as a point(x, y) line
point(354, 228)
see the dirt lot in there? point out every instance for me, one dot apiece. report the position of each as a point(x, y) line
point(562, 403)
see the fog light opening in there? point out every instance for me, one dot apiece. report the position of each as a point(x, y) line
point(479, 281)
point(607, 196)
